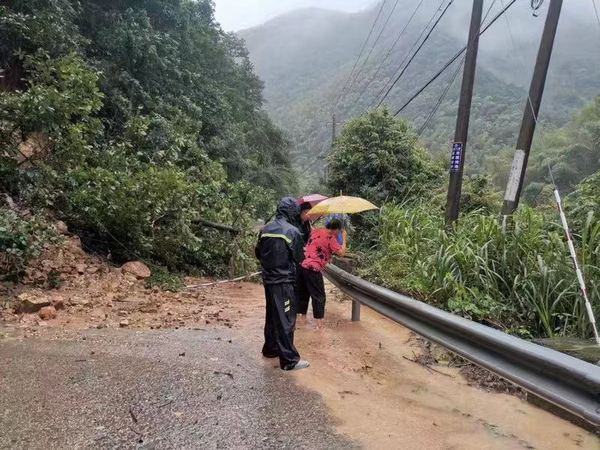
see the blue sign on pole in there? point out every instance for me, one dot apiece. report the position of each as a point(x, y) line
point(457, 149)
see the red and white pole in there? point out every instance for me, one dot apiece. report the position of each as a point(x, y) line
point(588, 305)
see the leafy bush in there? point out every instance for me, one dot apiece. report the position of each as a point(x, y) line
point(519, 279)
point(20, 240)
point(165, 280)
point(138, 119)
point(584, 200)
point(378, 157)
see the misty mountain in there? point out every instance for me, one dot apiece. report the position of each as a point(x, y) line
point(306, 56)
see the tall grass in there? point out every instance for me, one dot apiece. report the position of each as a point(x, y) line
point(521, 280)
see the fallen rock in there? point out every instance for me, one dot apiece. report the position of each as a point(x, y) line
point(136, 268)
point(124, 323)
point(78, 301)
point(47, 313)
point(80, 268)
point(9, 202)
point(61, 227)
point(73, 244)
point(31, 302)
point(58, 303)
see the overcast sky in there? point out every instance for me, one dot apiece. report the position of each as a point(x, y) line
point(234, 15)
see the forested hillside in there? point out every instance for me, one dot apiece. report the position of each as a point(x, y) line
point(518, 279)
point(305, 57)
point(136, 122)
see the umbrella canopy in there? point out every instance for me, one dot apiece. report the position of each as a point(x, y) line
point(313, 199)
point(341, 205)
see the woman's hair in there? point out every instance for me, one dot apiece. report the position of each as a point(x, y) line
point(305, 206)
point(334, 224)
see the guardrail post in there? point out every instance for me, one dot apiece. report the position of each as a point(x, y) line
point(355, 311)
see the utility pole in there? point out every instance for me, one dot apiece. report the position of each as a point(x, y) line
point(532, 108)
point(332, 129)
point(457, 161)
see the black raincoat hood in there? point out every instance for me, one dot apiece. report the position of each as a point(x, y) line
point(280, 246)
point(289, 209)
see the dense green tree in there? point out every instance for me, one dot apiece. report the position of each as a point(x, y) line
point(379, 157)
point(573, 152)
point(132, 120)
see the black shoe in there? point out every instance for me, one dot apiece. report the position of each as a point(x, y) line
point(270, 355)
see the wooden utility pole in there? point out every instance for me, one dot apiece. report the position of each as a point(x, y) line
point(333, 135)
point(332, 129)
point(532, 108)
point(459, 146)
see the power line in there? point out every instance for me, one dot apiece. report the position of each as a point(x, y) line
point(535, 6)
point(454, 58)
point(437, 105)
point(358, 72)
point(449, 63)
point(414, 45)
point(596, 12)
point(516, 51)
point(435, 77)
point(441, 99)
point(416, 52)
point(389, 52)
point(359, 55)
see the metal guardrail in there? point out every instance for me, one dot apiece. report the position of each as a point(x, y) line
point(567, 382)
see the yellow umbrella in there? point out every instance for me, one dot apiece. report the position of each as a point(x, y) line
point(341, 205)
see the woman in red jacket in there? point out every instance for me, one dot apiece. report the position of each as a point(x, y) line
point(322, 244)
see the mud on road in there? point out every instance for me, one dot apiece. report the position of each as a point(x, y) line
point(67, 384)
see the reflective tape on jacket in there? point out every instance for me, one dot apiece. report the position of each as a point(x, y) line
point(277, 236)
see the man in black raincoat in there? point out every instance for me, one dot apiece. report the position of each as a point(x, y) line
point(280, 250)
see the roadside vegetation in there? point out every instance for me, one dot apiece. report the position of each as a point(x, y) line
point(520, 280)
point(141, 125)
point(21, 239)
point(132, 121)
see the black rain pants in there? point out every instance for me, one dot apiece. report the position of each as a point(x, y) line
point(311, 286)
point(280, 322)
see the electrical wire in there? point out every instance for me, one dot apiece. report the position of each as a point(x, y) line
point(596, 12)
point(342, 91)
point(416, 52)
point(535, 6)
point(454, 58)
point(414, 45)
point(359, 71)
point(437, 105)
point(522, 64)
point(441, 99)
point(388, 54)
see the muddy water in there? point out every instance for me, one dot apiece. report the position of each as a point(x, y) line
point(385, 401)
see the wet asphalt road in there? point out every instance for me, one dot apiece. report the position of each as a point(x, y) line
point(153, 390)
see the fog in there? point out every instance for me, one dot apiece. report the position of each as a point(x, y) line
point(234, 15)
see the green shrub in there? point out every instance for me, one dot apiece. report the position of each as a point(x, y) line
point(20, 240)
point(380, 158)
point(521, 279)
point(149, 117)
point(165, 280)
